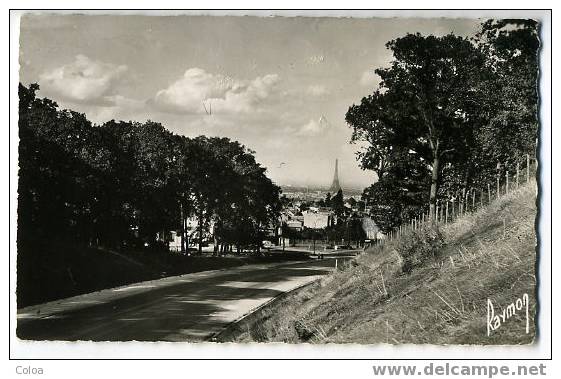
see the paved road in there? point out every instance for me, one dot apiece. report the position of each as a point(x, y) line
point(190, 307)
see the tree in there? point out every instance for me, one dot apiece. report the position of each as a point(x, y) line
point(337, 204)
point(509, 129)
point(237, 194)
point(123, 183)
point(424, 108)
point(57, 183)
point(355, 231)
point(400, 194)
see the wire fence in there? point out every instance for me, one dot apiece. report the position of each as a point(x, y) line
point(467, 200)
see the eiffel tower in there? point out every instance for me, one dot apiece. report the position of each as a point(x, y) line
point(335, 187)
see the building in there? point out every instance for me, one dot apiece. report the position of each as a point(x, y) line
point(173, 238)
point(317, 220)
point(297, 225)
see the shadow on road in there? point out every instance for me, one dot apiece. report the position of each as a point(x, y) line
point(186, 311)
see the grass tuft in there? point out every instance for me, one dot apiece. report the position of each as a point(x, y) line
point(429, 287)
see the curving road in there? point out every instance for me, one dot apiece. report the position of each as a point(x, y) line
point(190, 307)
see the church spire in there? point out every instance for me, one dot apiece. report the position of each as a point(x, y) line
point(335, 187)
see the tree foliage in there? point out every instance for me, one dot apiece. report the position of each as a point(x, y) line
point(337, 204)
point(121, 183)
point(511, 93)
point(447, 110)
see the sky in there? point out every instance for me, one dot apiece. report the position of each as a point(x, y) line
point(279, 85)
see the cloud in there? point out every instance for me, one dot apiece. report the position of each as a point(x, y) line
point(119, 108)
point(317, 90)
point(84, 80)
point(197, 92)
point(369, 79)
point(313, 127)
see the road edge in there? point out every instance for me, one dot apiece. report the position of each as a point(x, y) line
point(218, 337)
point(55, 306)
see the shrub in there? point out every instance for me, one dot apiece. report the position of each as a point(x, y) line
point(419, 246)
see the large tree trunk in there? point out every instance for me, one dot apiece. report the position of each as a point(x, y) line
point(434, 187)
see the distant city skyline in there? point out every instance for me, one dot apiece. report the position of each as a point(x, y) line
point(279, 85)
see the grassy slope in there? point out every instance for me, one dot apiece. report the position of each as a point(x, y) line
point(442, 302)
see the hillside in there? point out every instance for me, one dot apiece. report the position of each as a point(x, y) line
point(489, 254)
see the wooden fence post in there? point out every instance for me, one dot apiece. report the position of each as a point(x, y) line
point(506, 192)
point(473, 199)
point(446, 219)
point(498, 186)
